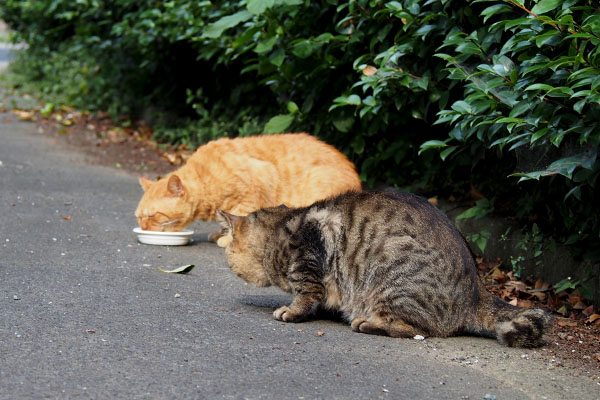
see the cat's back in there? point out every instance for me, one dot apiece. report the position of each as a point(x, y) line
point(303, 168)
point(394, 213)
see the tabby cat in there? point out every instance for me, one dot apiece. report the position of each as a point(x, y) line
point(242, 175)
point(390, 262)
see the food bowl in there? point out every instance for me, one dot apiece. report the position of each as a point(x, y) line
point(163, 238)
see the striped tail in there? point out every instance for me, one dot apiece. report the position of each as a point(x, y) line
point(514, 326)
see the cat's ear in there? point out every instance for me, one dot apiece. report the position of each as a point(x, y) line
point(228, 221)
point(175, 187)
point(146, 183)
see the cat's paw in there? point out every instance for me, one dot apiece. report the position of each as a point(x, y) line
point(213, 237)
point(224, 241)
point(362, 325)
point(287, 314)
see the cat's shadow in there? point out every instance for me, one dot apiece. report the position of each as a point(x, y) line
point(272, 302)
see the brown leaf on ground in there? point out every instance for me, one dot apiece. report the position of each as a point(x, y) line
point(593, 318)
point(541, 285)
point(525, 303)
point(172, 158)
point(580, 305)
point(588, 311)
point(23, 115)
point(320, 333)
point(499, 275)
point(566, 322)
point(541, 296)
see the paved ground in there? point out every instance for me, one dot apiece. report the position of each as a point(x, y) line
point(86, 313)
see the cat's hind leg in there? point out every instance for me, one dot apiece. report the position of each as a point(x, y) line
point(376, 325)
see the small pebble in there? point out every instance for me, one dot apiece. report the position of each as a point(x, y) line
point(419, 337)
point(177, 295)
point(15, 297)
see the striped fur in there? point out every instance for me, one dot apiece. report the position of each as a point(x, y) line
point(390, 262)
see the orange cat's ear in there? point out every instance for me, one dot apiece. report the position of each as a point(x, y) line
point(175, 187)
point(145, 182)
point(228, 221)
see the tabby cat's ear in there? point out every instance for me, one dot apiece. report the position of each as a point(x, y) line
point(175, 187)
point(228, 221)
point(145, 182)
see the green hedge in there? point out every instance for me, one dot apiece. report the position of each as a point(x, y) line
point(449, 97)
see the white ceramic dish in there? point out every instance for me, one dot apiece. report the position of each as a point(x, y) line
point(163, 238)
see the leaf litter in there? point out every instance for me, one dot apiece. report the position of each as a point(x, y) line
point(575, 335)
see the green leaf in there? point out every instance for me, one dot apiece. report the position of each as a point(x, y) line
point(481, 239)
point(257, 7)
point(446, 152)
point(215, 29)
point(265, 45)
point(305, 48)
point(358, 144)
point(565, 284)
point(292, 107)
point(279, 123)
point(181, 270)
point(354, 99)
point(543, 6)
point(47, 109)
point(462, 107)
point(480, 209)
point(432, 144)
point(539, 86)
point(277, 57)
point(343, 124)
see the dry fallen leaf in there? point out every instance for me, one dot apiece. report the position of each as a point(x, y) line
point(23, 115)
point(181, 270)
point(172, 158)
point(588, 311)
point(320, 333)
point(541, 296)
point(67, 217)
point(566, 322)
point(369, 70)
point(580, 305)
point(524, 303)
point(593, 318)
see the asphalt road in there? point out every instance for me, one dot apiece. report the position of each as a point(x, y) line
point(85, 313)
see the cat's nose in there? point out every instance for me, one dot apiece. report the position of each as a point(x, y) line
point(144, 224)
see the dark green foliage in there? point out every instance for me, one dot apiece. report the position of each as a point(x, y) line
point(439, 96)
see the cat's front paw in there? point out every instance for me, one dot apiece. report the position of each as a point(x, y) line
point(287, 314)
point(224, 241)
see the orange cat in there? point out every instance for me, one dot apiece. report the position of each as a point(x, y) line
point(242, 175)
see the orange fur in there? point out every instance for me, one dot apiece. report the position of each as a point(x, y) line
point(242, 175)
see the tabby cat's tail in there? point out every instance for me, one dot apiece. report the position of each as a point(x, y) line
point(515, 326)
